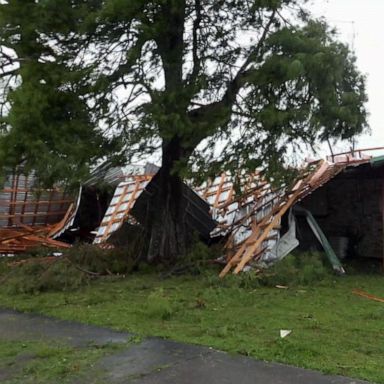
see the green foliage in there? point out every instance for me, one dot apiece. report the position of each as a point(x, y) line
point(49, 126)
point(197, 79)
point(295, 270)
point(34, 277)
point(119, 261)
point(77, 267)
point(299, 269)
point(200, 254)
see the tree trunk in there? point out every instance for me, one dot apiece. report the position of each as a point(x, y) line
point(167, 227)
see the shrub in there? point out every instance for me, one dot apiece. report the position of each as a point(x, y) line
point(293, 270)
point(101, 261)
point(76, 267)
point(300, 269)
point(197, 259)
point(34, 277)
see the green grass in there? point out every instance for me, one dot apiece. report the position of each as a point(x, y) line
point(333, 330)
point(42, 363)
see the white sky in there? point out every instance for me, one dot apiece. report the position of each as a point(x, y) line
point(361, 25)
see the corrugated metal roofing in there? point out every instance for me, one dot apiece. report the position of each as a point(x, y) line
point(121, 204)
point(113, 175)
point(264, 224)
point(31, 216)
point(22, 203)
point(250, 218)
point(236, 212)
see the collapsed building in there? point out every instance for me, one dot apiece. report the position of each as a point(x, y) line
point(104, 194)
point(350, 209)
point(31, 216)
point(260, 223)
point(336, 205)
point(131, 201)
point(341, 200)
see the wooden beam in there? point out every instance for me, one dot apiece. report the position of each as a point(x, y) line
point(58, 226)
point(249, 253)
point(217, 199)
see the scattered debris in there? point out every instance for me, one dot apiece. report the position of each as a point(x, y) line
point(259, 221)
point(30, 216)
point(246, 210)
point(16, 240)
point(34, 260)
point(366, 295)
point(285, 333)
point(322, 239)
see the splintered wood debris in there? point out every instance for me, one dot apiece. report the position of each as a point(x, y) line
point(31, 217)
point(22, 239)
point(367, 295)
point(261, 224)
point(247, 210)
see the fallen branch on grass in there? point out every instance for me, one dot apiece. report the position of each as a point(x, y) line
point(366, 295)
point(91, 273)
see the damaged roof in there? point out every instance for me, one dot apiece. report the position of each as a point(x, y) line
point(264, 220)
point(31, 216)
point(129, 204)
point(119, 210)
point(250, 218)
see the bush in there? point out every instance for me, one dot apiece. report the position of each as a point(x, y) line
point(293, 270)
point(34, 277)
point(197, 259)
point(102, 261)
point(299, 269)
point(76, 267)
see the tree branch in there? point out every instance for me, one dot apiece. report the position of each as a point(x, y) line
point(220, 112)
point(237, 82)
point(8, 73)
point(133, 54)
point(170, 43)
point(10, 59)
point(196, 58)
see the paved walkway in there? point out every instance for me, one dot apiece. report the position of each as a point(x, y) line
point(157, 361)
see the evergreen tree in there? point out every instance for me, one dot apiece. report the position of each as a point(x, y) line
point(255, 77)
point(49, 126)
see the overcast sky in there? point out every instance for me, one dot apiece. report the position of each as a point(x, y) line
point(361, 25)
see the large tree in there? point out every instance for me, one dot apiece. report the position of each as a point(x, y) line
point(252, 78)
point(46, 122)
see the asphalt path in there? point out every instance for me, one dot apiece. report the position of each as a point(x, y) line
point(154, 360)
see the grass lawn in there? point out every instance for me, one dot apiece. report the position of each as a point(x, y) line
point(35, 362)
point(333, 330)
